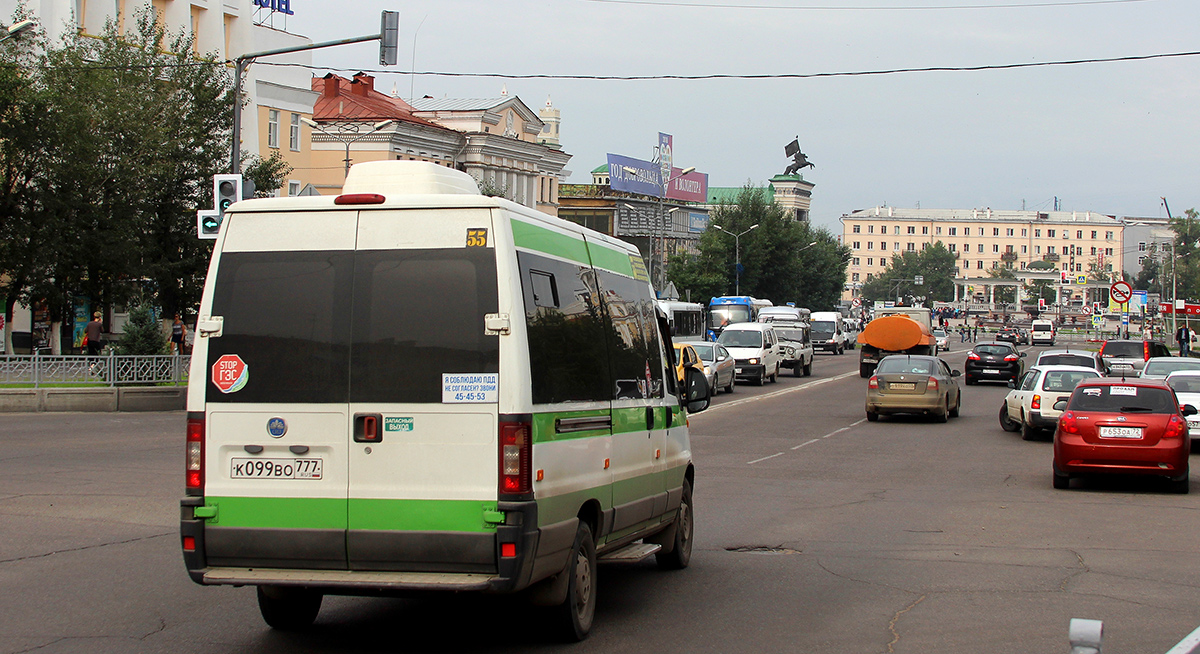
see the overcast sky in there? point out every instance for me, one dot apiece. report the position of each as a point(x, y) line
point(1105, 137)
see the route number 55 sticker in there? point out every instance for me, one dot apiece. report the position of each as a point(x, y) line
point(477, 238)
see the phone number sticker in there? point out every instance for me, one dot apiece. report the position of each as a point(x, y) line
point(459, 388)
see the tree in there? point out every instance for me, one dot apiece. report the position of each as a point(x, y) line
point(1186, 262)
point(267, 174)
point(1041, 288)
point(783, 260)
point(135, 126)
point(937, 265)
point(1004, 294)
point(143, 334)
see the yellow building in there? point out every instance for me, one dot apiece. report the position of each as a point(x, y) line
point(982, 240)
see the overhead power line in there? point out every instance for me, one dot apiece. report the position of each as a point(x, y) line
point(758, 76)
point(1011, 5)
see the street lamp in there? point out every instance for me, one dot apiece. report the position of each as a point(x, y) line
point(806, 247)
point(347, 133)
point(737, 253)
point(14, 30)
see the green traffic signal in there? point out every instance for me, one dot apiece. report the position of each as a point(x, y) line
point(210, 225)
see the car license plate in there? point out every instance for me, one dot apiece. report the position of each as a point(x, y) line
point(902, 387)
point(988, 371)
point(1120, 432)
point(244, 468)
point(737, 370)
point(1123, 366)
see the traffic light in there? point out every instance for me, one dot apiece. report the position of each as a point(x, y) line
point(1066, 277)
point(389, 36)
point(227, 189)
point(208, 223)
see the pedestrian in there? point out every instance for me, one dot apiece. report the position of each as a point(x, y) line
point(962, 334)
point(178, 332)
point(975, 334)
point(1183, 336)
point(91, 334)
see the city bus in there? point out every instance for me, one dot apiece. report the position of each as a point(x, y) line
point(732, 309)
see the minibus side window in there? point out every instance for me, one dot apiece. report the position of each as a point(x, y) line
point(568, 353)
point(633, 334)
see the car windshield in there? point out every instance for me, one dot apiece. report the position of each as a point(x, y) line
point(1124, 350)
point(1165, 367)
point(1122, 399)
point(740, 338)
point(1065, 380)
point(705, 352)
point(900, 365)
point(993, 350)
point(728, 314)
point(823, 327)
point(1066, 360)
point(1185, 383)
point(796, 335)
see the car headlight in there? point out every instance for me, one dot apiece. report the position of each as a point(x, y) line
point(753, 362)
point(791, 351)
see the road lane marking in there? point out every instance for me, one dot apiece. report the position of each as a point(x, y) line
point(764, 458)
point(810, 442)
point(806, 443)
point(782, 392)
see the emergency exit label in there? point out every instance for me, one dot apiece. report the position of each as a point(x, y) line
point(470, 388)
point(230, 373)
point(397, 423)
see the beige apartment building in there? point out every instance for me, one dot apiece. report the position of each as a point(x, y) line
point(1080, 242)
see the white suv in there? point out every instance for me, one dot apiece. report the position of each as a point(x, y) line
point(756, 350)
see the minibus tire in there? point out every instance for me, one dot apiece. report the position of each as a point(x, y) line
point(288, 609)
point(681, 549)
point(579, 609)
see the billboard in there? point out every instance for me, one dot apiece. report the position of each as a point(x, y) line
point(634, 175)
point(697, 222)
point(664, 156)
point(692, 187)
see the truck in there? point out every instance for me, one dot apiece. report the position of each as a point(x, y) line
point(895, 330)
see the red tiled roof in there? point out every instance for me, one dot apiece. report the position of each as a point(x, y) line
point(357, 99)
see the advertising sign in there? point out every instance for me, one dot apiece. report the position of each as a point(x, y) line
point(697, 222)
point(692, 187)
point(1189, 309)
point(634, 175)
point(664, 156)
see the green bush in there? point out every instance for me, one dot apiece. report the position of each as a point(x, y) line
point(143, 335)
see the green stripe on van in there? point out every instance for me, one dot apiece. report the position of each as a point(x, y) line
point(325, 513)
point(279, 512)
point(533, 237)
point(421, 515)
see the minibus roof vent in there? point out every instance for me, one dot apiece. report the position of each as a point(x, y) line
point(395, 178)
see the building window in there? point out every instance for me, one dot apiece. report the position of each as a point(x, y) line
point(1142, 260)
point(1050, 233)
point(1024, 232)
point(1024, 250)
point(981, 248)
point(996, 231)
point(1037, 249)
point(1093, 252)
point(854, 277)
point(870, 245)
point(995, 264)
point(1008, 248)
point(870, 276)
point(855, 245)
point(1078, 234)
point(938, 231)
point(1108, 235)
point(855, 260)
point(1009, 231)
point(272, 128)
point(979, 265)
point(1108, 267)
point(1037, 233)
point(293, 188)
point(870, 229)
point(294, 133)
point(981, 231)
point(1022, 265)
point(857, 229)
point(911, 247)
point(1108, 252)
point(995, 247)
point(896, 247)
point(1093, 233)
point(953, 247)
point(1141, 247)
point(912, 229)
point(1050, 249)
point(896, 229)
point(954, 231)
point(966, 264)
point(925, 230)
point(870, 261)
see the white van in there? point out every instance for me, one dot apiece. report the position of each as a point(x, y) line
point(828, 332)
point(756, 350)
point(413, 387)
point(1041, 332)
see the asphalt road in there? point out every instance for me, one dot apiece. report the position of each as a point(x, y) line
point(816, 532)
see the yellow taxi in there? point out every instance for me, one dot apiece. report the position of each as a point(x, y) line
point(686, 357)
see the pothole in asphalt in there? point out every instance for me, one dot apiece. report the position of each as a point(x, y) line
point(761, 549)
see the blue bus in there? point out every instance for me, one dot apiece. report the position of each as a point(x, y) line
point(731, 309)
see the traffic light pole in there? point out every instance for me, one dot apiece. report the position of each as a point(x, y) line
point(387, 56)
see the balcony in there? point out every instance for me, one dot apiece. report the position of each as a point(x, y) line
point(1008, 256)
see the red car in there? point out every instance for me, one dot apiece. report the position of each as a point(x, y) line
point(1122, 426)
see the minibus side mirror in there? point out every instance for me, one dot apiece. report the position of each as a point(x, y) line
point(697, 390)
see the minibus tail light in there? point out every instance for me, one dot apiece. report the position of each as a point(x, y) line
point(194, 479)
point(516, 458)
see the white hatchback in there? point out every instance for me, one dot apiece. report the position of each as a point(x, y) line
point(1029, 406)
point(755, 347)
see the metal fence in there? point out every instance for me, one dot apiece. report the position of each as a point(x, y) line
point(111, 370)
